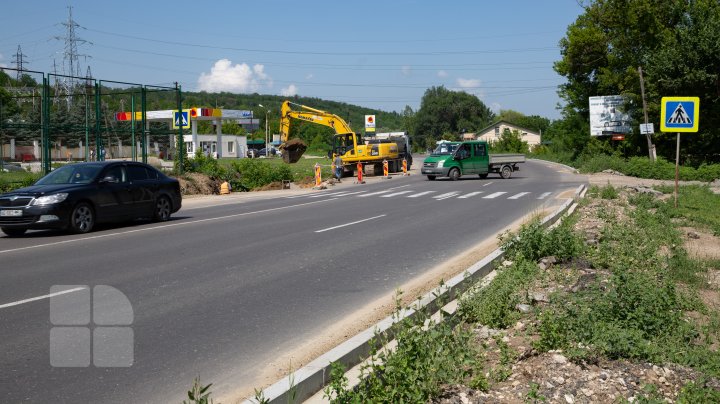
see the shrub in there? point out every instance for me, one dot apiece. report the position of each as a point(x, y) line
point(255, 173)
point(600, 163)
point(533, 242)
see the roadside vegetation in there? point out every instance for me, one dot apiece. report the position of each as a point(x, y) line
point(613, 287)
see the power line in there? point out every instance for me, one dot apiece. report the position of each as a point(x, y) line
point(275, 51)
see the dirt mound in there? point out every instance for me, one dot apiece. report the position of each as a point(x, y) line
point(270, 187)
point(198, 184)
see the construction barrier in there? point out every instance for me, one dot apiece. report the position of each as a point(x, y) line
point(405, 167)
point(225, 188)
point(360, 173)
point(385, 168)
point(318, 175)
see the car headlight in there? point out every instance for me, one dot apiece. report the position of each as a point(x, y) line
point(50, 199)
point(440, 163)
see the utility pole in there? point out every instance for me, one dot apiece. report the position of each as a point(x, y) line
point(651, 146)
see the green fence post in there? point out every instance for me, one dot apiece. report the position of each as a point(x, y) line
point(45, 116)
point(99, 147)
point(180, 152)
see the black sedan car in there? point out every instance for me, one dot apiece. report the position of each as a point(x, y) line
point(77, 196)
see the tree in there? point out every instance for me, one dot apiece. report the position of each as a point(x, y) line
point(444, 111)
point(510, 142)
point(675, 42)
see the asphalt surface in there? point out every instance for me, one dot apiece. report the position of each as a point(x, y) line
point(232, 282)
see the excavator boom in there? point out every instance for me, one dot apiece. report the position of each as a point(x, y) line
point(294, 149)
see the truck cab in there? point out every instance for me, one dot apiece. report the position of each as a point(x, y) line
point(453, 159)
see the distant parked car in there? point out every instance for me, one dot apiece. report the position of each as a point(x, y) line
point(78, 196)
point(253, 153)
point(10, 167)
point(264, 152)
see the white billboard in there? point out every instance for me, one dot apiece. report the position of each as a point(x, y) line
point(608, 116)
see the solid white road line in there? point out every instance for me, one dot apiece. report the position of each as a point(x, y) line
point(544, 195)
point(395, 194)
point(419, 194)
point(495, 195)
point(211, 219)
point(518, 196)
point(488, 183)
point(32, 299)
point(470, 195)
point(350, 224)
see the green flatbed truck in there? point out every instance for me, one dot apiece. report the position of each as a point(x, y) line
point(454, 159)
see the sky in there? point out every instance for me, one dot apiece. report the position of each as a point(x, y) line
point(376, 54)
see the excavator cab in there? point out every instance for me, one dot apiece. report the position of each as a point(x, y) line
point(343, 143)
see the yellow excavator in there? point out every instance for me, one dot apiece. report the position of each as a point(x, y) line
point(346, 143)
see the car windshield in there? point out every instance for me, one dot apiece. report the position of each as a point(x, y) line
point(71, 174)
point(445, 148)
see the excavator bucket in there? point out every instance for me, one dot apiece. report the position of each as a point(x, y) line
point(292, 150)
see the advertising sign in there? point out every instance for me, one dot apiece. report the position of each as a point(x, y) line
point(608, 116)
point(369, 123)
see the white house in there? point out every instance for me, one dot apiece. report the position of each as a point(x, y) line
point(492, 133)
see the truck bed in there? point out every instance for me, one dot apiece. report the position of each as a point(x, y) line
point(506, 158)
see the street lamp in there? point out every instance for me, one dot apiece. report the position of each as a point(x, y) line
point(267, 147)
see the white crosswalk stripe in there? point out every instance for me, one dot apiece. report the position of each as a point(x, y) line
point(445, 195)
point(518, 196)
point(544, 195)
point(419, 194)
point(470, 195)
point(374, 193)
point(494, 195)
point(395, 194)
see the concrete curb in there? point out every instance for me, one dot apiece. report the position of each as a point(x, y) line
point(308, 380)
point(572, 169)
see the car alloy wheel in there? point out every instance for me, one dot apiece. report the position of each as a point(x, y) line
point(82, 219)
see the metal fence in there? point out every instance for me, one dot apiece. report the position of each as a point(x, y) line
point(51, 118)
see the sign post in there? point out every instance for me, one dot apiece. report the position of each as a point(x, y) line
point(679, 114)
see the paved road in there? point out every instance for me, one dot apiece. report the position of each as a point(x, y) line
point(231, 283)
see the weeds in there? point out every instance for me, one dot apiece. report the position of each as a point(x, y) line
point(199, 394)
point(427, 355)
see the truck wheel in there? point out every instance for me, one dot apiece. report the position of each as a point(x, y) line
point(483, 176)
point(431, 177)
point(454, 174)
point(506, 172)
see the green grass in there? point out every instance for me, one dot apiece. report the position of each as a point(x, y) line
point(697, 206)
point(14, 180)
point(302, 169)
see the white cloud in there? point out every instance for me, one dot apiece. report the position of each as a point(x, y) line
point(472, 84)
point(442, 74)
point(406, 70)
point(309, 76)
point(289, 91)
point(238, 78)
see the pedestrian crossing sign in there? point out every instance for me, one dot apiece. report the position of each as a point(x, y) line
point(679, 114)
point(181, 119)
